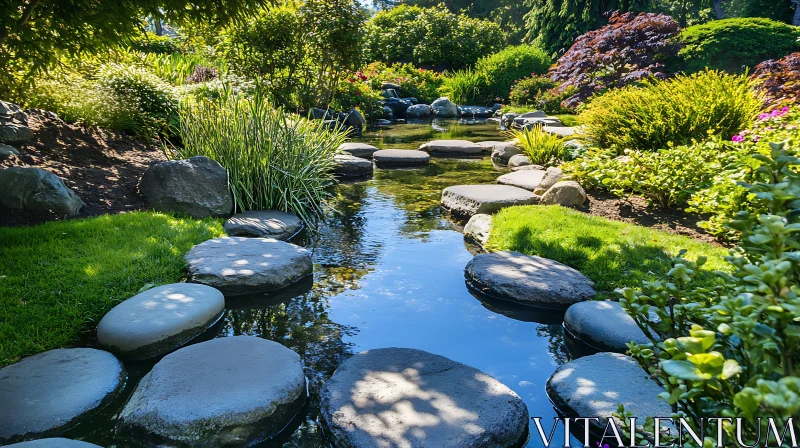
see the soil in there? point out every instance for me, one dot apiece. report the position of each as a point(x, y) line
point(102, 167)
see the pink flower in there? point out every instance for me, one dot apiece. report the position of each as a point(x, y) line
point(737, 138)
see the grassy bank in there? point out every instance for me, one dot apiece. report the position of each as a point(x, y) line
point(613, 254)
point(58, 279)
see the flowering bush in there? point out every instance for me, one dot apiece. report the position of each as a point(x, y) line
point(416, 82)
point(779, 79)
point(355, 93)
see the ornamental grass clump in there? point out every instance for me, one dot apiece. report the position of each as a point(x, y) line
point(543, 148)
point(275, 160)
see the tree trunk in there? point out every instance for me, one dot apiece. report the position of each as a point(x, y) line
point(718, 11)
point(157, 25)
point(796, 17)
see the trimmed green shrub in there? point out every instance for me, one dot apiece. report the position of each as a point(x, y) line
point(735, 44)
point(529, 90)
point(508, 66)
point(673, 112)
point(152, 43)
point(543, 148)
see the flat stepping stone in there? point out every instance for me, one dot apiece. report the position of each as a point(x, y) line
point(401, 157)
point(362, 150)
point(478, 228)
point(469, 200)
point(159, 320)
point(488, 146)
point(402, 397)
point(56, 442)
point(526, 179)
point(603, 325)
point(233, 391)
point(51, 392)
point(264, 224)
point(238, 265)
point(452, 148)
point(528, 279)
point(351, 166)
point(594, 385)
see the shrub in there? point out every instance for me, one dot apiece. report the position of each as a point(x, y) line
point(274, 160)
point(676, 111)
point(543, 148)
point(779, 80)
point(416, 82)
point(355, 93)
point(629, 49)
point(152, 43)
point(735, 44)
point(529, 90)
point(504, 68)
point(464, 87)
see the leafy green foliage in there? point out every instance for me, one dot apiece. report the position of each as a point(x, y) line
point(735, 44)
point(414, 82)
point(504, 68)
point(673, 112)
point(464, 87)
point(355, 93)
point(151, 43)
point(543, 148)
point(529, 90)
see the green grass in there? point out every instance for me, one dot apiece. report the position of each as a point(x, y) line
point(58, 279)
point(611, 253)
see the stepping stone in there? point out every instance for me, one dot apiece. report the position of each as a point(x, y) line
point(561, 131)
point(53, 391)
point(478, 228)
point(519, 160)
point(234, 391)
point(402, 397)
point(502, 153)
point(160, 320)
point(528, 279)
point(362, 150)
point(238, 265)
point(594, 385)
point(452, 148)
point(488, 146)
point(528, 167)
point(527, 179)
point(566, 193)
point(400, 157)
point(468, 200)
point(350, 166)
point(56, 442)
point(603, 325)
point(264, 224)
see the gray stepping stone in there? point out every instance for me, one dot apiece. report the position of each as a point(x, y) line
point(49, 393)
point(488, 146)
point(233, 391)
point(401, 157)
point(526, 179)
point(561, 131)
point(355, 149)
point(452, 148)
point(528, 167)
point(518, 161)
point(159, 320)
point(566, 193)
point(351, 166)
point(238, 265)
point(501, 154)
point(468, 200)
point(594, 385)
point(56, 442)
point(402, 397)
point(478, 228)
point(603, 325)
point(264, 224)
point(528, 279)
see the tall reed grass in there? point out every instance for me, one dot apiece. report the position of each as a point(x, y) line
point(541, 147)
point(464, 87)
point(275, 160)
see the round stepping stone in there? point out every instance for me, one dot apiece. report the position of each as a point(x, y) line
point(528, 279)
point(50, 392)
point(411, 398)
point(264, 224)
point(160, 320)
point(55, 442)
point(478, 228)
point(594, 385)
point(362, 150)
point(238, 265)
point(400, 157)
point(526, 179)
point(604, 326)
point(350, 166)
point(227, 391)
point(468, 200)
point(502, 153)
point(452, 148)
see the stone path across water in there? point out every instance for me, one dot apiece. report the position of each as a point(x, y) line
point(603, 325)
point(264, 224)
point(467, 200)
point(387, 158)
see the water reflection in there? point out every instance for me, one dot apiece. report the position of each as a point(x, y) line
point(411, 134)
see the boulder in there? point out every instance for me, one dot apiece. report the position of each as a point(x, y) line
point(53, 391)
point(552, 176)
point(11, 111)
point(354, 119)
point(526, 179)
point(55, 442)
point(400, 157)
point(528, 279)
point(234, 391)
point(501, 154)
point(603, 325)
point(264, 224)
point(475, 111)
point(350, 166)
point(496, 106)
point(390, 85)
point(508, 119)
point(488, 146)
point(467, 200)
point(444, 108)
point(159, 320)
point(566, 193)
point(533, 114)
point(478, 228)
point(402, 397)
point(419, 111)
point(8, 151)
point(320, 114)
point(452, 148)
point(519, 160)
point(12, 132)
point(593, 386)
point(197, 187)
point(238, 265)
point(397, 106)
point(362, 150)
point(38, 191)
point(528, 167)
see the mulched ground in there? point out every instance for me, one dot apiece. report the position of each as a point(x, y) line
point(103, 167)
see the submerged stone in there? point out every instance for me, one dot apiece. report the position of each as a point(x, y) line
point(264, 224)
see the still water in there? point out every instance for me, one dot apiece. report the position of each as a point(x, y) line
point(389, 272)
